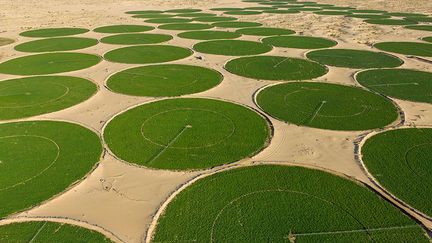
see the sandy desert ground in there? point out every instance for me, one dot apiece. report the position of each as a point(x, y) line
point(120, 199)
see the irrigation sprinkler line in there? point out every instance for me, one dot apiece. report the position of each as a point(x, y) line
point(357, 231)
point(317, 111)
point(38, 232)
point(396, 84)
point(170, 143)
point(279, 63)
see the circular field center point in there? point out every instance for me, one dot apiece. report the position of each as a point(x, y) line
point(185, 26)
point(56, 44)
point(25, 97)
point(136, 39)
point(232, 47)
point(185, 10)
point(54, 32)
point(264, 31)
point(400, 161)
point(5, 41)
point(390, 21)
point(406, 48)
point(242, 12)
point(168, 20)
point(236, 24)
point(420, 27)
point(49, 63)
point(164, 80)
point(164, 134)
point(284, 204)
point(44, 231)
point(147, 54)
point(327, 106)
point(403, 84)
point(42, 159)
point(275, 68)
point(214, 19)
point(301, 42)
point(209, 35)
point(350, 58)
point(123, 29)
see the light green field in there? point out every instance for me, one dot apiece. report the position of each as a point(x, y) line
point(54, 32)
point(147, 54)
point(282, 204)
point(56, 44)
point(136, 39)
point(232, 47)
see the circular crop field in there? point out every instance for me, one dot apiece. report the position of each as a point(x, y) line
point(264, 31)
point(354, 58)
point(369, 16)
point(168, 20)
point(153, 16)
point(420, 27)
point(25, 97)
point(390, 21)
point(5, 41)
point(327, 106)
point(49, 63)
point(422, 19)
point(242, 12)
point(368, 11)
point(56, 44)
point(275, 68)
point(40, 159)
point(232, 47)
point(184, 134)
point(403, 84)
point(226, 9)
point(136, 39)
point(271, 203)
point(147, 54)
point(214, 19)
point(331, 12)
point(123, 29)
point(281, 11)
point(406, 48)
point(209, 35)
point(400, 160)
point(236, 24)
point(54, 32)
point(194, 15)
point(185, 26)
point(44, 231)
point(301, 42)
point(164, 80)
point(184, 10)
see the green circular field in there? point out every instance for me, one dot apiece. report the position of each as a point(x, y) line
point(402, 14)
point(113, 29)
point(194, 15)
point(56, 44)
point(54, 32)
point(153, 16)
point(351, 58)
point(301, 42)
point(185, 26)
point(225, 9)
point(232, 47)
point(147, 54)
point(368, 11)
point(45, 231)
point(368, 16)
point(25, 97)
point(275, 68)
point(164, 80)
point(406, 48)
point(209, 35)
point(49, 63)
point(280, 11)
point(327, 106)
point(270, 203)
point(400, 161)
point(427, 39)
point(136, 39)
point(214, 19)
point(184, 10)
point(403, 84)
point(185, 134)
point(236, 24)
point(40, 159)
point(264, 31)
point(331, 12)
point(420, 27)
point(422, 19)
point(168, 20)
point(243, 12)
point(5, 41)
point(390, 21)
